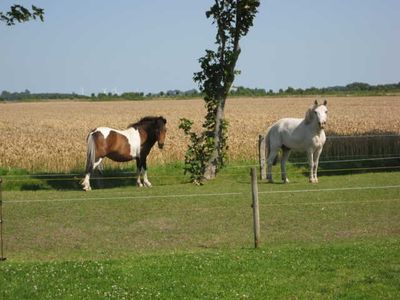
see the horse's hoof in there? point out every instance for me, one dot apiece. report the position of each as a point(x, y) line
point(86, 189)
point(285, 180)
point(147, 184)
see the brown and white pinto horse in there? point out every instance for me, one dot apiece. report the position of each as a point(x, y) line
point(124, 145)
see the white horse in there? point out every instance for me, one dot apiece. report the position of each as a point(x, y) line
point(298, 134)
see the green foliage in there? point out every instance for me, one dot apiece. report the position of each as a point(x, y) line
point(249, 92)
point(27, 95)
point(355, 88)
point(207, 150)
point(133, 96)
point(199, 150)
point(21, 14)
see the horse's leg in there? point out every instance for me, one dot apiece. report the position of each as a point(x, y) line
point(270, 161)
point(285, 156)
point(97, 165)
point(310, 156)
point(138, 172)
point(146, 181)
point(317, 154)
point(86, 180)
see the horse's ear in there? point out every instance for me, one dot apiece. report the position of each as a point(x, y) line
point(325, 102)
point(161, 120)
point(316, 102)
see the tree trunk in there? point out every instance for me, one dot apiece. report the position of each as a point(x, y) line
point(212, 164)
point(227, 33)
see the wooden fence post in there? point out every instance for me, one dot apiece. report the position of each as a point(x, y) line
point(2, 258)
point(256, 213)
point(261, 155)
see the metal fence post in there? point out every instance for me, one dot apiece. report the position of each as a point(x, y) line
point(256, 213)
point(2, 258)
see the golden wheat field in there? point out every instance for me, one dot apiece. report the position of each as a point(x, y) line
point(50, 136)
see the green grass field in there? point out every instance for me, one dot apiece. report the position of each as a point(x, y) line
point(337, 239)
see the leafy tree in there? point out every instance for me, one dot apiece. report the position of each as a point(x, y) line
point(289, 90)
point(206, 153)
point(18, 13)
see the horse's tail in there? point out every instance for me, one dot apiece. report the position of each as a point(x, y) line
point(91, 153)
point(268, 147)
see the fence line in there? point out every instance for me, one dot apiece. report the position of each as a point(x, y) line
point(333, 189)
point(326, 161)
point(60, 177)
point(361, 136)
point(199, 195)
point(125, 197)
point(330, 202)
point(182, 176)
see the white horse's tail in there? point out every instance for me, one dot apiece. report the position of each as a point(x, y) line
point(90, 154)
point(268, 147)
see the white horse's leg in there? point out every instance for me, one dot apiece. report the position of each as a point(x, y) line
point(271, 157)
point(310, 156)
point(317, 154)
point(139, 177)
point(86, 182)
point(285, 157)
point(146, 182)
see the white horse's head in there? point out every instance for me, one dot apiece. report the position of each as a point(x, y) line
point(319, 112)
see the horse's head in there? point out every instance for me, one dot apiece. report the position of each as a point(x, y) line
point(319, 112)
point(161, 131)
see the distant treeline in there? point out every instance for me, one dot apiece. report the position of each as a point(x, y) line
point(27, 95)
point(356, 88)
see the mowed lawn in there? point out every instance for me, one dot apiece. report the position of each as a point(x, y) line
point(337, 239)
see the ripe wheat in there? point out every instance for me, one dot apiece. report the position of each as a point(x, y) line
point(51, 136)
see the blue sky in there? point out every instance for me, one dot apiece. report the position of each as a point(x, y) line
point(152, 46)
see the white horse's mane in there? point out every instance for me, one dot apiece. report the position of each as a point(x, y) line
point(309, 116)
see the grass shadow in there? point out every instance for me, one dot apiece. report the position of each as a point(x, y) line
point(22, 180)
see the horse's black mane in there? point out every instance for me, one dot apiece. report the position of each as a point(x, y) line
point(147, 120)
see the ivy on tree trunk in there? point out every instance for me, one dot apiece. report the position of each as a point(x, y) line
point(207, 151)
